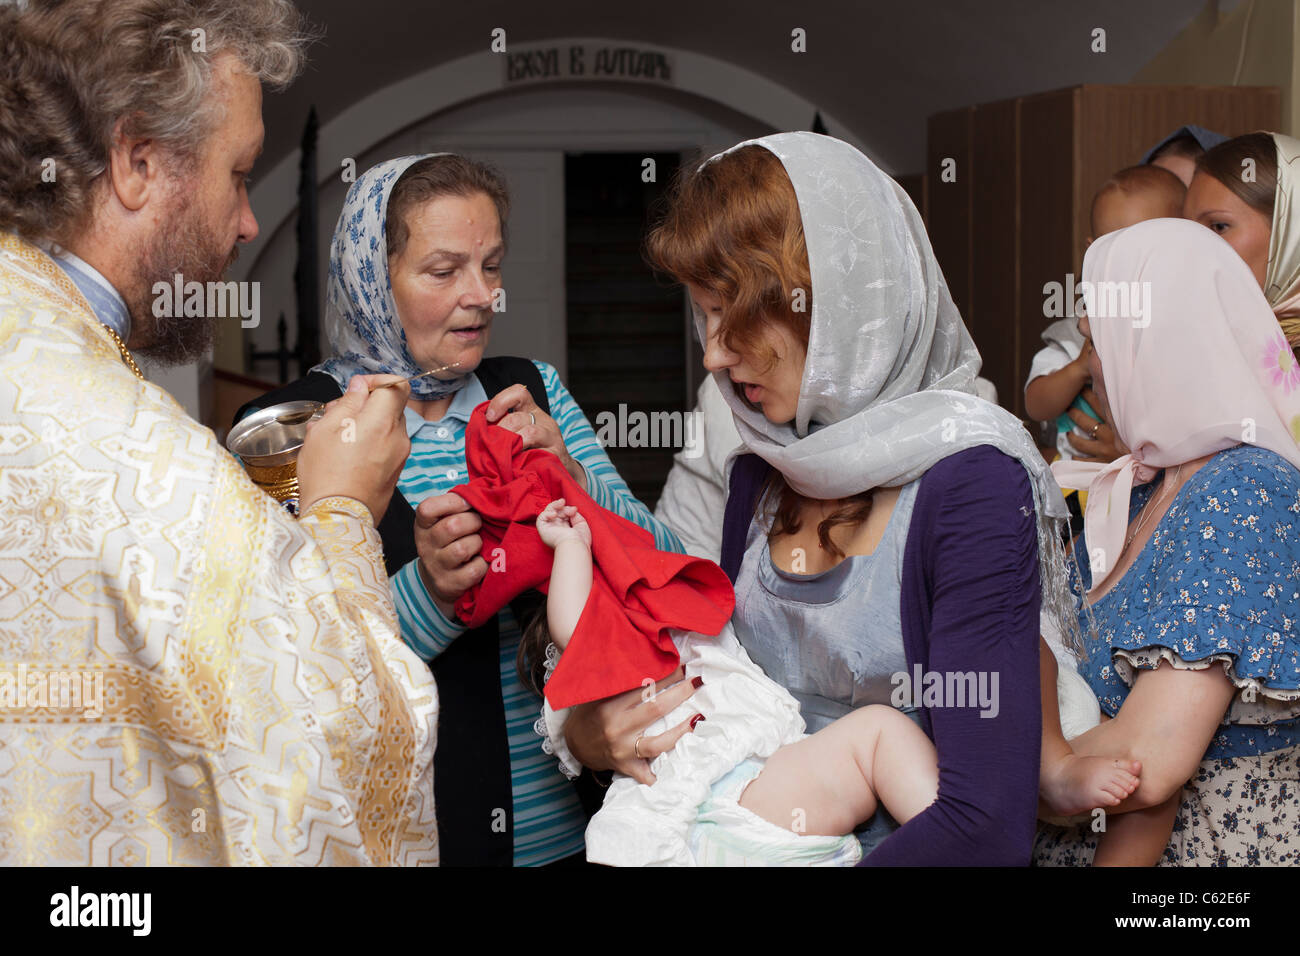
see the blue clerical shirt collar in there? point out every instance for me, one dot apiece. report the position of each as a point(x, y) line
point(105, 301)
point(467, 398)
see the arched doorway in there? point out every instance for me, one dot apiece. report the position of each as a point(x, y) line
point(522, 109)
point(575, 153)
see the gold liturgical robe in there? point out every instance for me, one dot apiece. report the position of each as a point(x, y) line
point(187, 674)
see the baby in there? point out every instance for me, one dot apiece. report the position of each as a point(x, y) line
point(747, 787)
point(1059, 371)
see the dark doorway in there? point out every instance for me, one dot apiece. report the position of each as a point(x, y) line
point(626, 329)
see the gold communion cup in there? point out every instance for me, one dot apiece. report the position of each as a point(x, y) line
point(267, 443)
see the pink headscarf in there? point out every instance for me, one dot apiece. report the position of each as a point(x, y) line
point(1193, 363)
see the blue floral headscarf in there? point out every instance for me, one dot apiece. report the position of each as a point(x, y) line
point(361, 320)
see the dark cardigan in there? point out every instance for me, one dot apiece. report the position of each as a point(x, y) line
point(970, 600)
point(471, 763)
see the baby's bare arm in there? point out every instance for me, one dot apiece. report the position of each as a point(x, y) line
point(1050, 395)
point(830, 782)
point(562, 528)
point(570, 585)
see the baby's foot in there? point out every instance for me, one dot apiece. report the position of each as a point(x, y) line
point(1075, 784)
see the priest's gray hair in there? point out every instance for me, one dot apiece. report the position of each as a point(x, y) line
point(72, 72)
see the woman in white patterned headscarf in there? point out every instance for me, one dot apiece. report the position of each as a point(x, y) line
point(1246, 190)
point(884, 524)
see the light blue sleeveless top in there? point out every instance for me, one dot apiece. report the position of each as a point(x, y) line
point(833, 639)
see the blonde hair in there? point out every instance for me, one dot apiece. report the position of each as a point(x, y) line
point(1156, 181)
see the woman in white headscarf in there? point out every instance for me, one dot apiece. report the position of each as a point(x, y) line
point(1247, 190)
point(884, 525)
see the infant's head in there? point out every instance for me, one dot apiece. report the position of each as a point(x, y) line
point(1135, 195)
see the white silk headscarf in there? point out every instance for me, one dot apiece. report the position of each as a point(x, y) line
point(1204, 367)
point(888, 387)
point(1282, 280)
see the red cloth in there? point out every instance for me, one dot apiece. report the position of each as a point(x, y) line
point(637, 591)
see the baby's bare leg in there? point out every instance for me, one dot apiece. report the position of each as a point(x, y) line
point(1137, 838)
point(1067, 783)
point(829, 783)
point(1054, 746)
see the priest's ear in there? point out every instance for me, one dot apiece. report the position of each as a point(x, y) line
point(136, 171)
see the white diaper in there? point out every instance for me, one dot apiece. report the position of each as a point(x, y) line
point(727, 834)
point(750, 717)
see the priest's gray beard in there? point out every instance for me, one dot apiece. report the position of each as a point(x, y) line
point(185, 245)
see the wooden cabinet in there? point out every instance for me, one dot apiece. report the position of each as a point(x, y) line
point(1012, 215)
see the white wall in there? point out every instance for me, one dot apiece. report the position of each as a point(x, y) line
point(190, 385)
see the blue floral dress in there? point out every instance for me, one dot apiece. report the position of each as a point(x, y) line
point(1218, 584)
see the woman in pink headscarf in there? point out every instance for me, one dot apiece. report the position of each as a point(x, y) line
point(1190, 557)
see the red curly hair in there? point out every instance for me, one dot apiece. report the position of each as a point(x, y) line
point(732, 226)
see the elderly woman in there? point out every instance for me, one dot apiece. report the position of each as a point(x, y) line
point(1189, 558)
point(415, 267)
point(885, 524)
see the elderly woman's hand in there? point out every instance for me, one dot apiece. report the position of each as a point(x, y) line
point(447, 539)
point(1103, 444)
point(514, 408)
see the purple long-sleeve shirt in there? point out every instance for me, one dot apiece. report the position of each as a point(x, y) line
point(969, 603)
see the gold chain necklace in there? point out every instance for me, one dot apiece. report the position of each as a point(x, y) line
point(126, 354)
point(1145, 514)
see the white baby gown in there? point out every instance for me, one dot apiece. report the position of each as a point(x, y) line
point(749, 716)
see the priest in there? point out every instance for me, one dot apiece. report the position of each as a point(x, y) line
point(251, 700)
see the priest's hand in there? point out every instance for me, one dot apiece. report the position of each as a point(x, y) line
point(447, 539)
point(513, 408)
point(358, 448)
point(609, 734)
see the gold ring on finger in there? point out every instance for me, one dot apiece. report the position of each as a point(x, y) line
point(636, 747)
